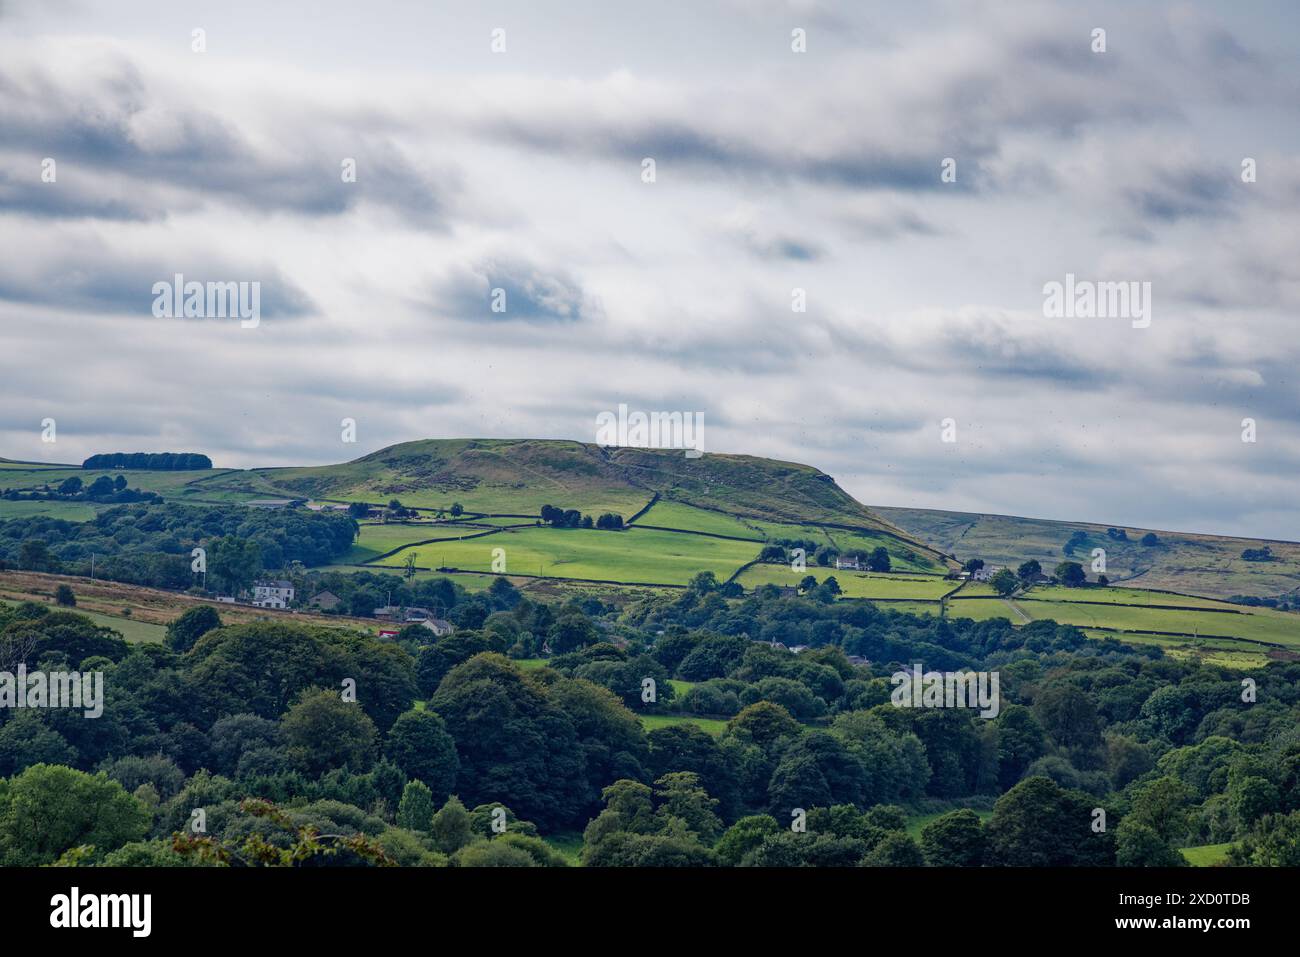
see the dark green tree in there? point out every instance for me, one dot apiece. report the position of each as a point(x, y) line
point(955, 839)
point(322, 731)
point(192, 625)
point(419, 744)
point(1071, 574)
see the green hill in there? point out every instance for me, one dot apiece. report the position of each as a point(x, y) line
point(499, 476)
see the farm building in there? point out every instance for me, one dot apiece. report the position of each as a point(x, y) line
point(415, 616)
point(325, 601)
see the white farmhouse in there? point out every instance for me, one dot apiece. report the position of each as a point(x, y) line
point(272, 594)
point(986, 573)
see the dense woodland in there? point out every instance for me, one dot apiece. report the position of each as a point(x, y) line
point(151, 544)
point(151, 461)
point(452, 753)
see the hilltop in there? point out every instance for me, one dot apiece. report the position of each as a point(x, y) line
point(499, 475)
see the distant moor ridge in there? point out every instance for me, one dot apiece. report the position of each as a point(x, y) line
point(487, 474)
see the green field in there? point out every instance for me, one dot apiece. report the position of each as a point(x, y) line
point(667, 514)
point(488, 521)
point(1228, 652)
point(972, 589)
point(1129, 596)
point(1207, 855)
point(132, 630)
point(376, 539)
point(787, 530)
point(569, 844)
point(128, 627)
point(1206, 630)
point(910, 607)
point(917, 822)
point(713, 726)
point(1256, 624)
point(983, 609)
point(68, 511)
point(637, 555)
point(853, 584)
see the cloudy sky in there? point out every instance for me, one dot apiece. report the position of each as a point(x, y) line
point(774, 170)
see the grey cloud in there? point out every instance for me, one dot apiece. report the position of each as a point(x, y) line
point(101, 281)
point(206, 156)
point(1172, 195)
point(72, 201)
point(885, 224)
point(532, 294)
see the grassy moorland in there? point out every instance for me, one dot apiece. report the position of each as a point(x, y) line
point(1208, 565)
point(499, 476)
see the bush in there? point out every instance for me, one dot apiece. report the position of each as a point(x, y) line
point(494, 854)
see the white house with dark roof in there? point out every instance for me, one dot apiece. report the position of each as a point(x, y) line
point(272, 594)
